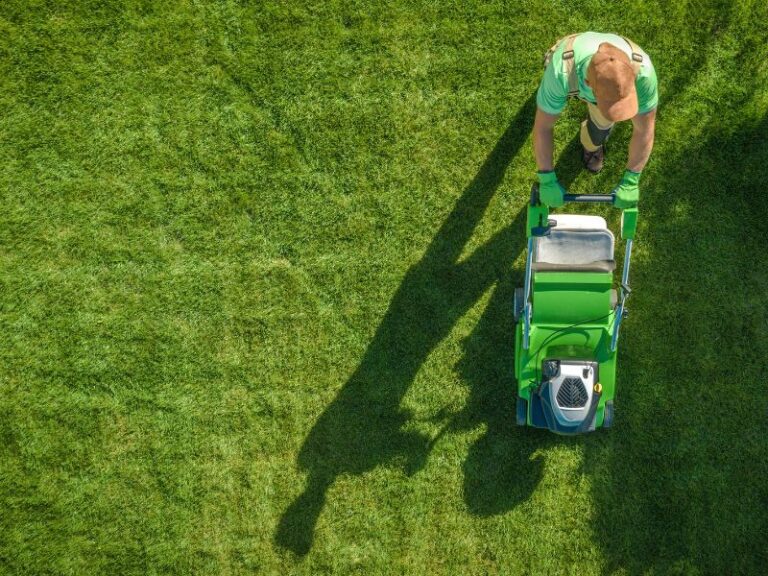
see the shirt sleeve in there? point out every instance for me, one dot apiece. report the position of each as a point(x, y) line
point(552, 95)
point(647, 91)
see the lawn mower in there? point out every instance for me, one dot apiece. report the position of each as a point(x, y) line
point(568, 316)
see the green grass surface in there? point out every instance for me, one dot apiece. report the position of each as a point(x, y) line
point(256, 272)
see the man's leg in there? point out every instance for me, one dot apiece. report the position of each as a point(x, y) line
point(594, 132)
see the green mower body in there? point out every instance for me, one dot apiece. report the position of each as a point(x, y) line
point(568, 316)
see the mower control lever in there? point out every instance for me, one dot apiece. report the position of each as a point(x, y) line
point(590, 198)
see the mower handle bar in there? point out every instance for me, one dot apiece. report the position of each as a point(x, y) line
point(584, 198)
point(589, 198)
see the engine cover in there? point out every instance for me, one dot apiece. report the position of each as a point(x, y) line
point(564, 400)
point(570, 391)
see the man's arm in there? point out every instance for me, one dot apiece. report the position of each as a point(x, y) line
point(550, 190)
point(543, 139)
point(641, 144)
point(626, 194)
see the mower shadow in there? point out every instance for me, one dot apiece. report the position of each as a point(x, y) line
point(679, 482)
point(499, 472)
point(362, 428)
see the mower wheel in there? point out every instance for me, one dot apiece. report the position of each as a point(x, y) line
point(608, 416)
point(518, 304)
point(522, 412)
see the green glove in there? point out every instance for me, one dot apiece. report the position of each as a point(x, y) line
point(627, 193)
point(550, 190)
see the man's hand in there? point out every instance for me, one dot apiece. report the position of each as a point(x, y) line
point(627, 192)
point(550, 190)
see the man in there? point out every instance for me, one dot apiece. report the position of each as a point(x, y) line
point(617, 81)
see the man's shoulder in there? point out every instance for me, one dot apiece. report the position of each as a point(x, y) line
point(553, 90)
point(587, 43)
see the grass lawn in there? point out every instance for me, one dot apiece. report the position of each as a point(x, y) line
point(256, 275)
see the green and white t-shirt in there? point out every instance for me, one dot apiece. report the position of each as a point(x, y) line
point(553, 91)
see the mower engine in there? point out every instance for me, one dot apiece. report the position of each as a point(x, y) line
point(567, 399)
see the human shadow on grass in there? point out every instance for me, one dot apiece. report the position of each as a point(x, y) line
point(679, 483)
point(363, 427)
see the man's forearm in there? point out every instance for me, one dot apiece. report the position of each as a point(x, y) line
point(639, 151)
point(543, 147)
point(543, 140)
point(641, 144)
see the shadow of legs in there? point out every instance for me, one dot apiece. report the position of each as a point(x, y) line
point(298, 522)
